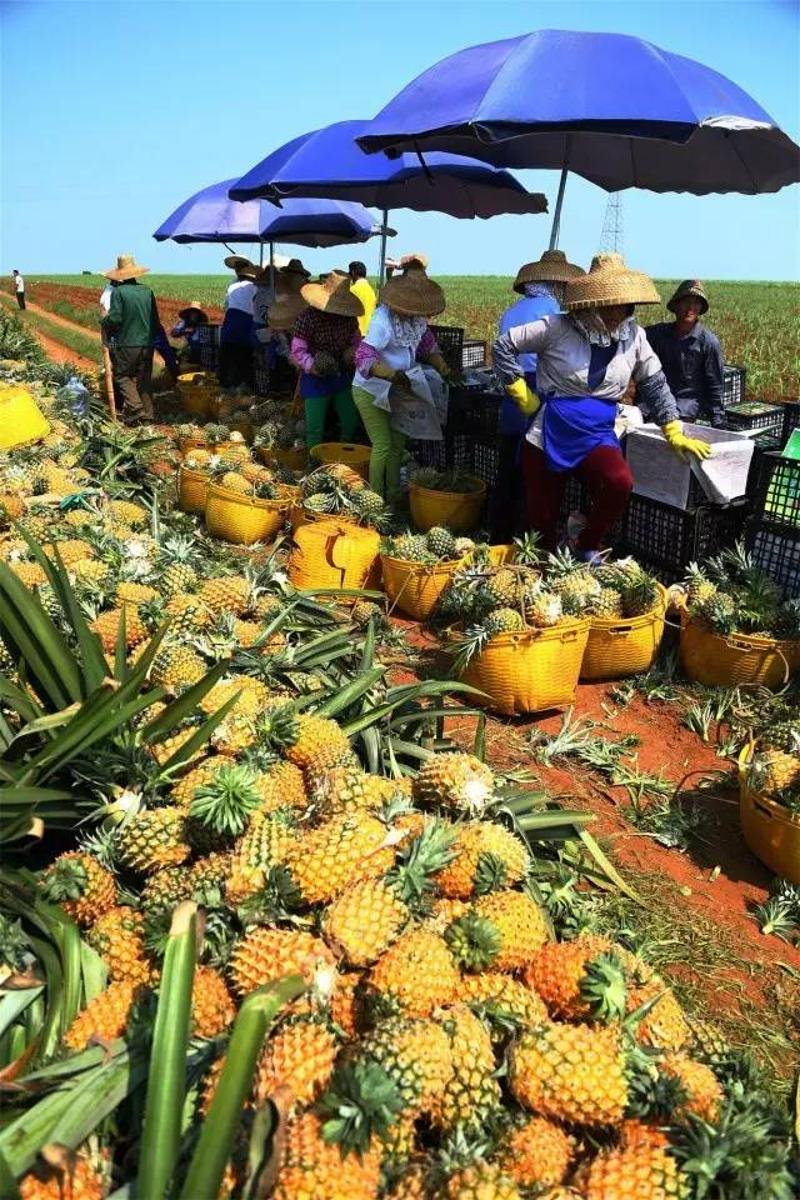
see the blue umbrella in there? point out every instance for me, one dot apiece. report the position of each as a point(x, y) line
point(328, 162)
point(210, 216)
point(613, 108)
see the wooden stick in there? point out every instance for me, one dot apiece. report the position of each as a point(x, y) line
point(109, 378)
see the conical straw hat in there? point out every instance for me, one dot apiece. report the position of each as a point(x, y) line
point(609, 281)
point(689, 287)
point(332, 294)
point(552, 267)
point(412, 293)
point(126, 268)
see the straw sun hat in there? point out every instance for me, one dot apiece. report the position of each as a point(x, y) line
point(413, 294)
point(609, 282)
point(332, 295)
point(242, 266)
point(284, 311)
point(126, 268)
point(552, 267)
point(192, 306)
point(689, 287)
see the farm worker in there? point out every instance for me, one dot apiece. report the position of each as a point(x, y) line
point(262, 298)
point(691, 356)
point(541, 287)
point(236, 334)
point(190, 319)
point(162, 346)
point(396, 397)
point(360, 286)
point(324, 338)
point(132, 326)
point(19, 288)
point(585, 361)
point(291, 277)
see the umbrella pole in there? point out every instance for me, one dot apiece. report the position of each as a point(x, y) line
point(261, 253)
point(272, 265)
point(384, 235)
point(556, 228)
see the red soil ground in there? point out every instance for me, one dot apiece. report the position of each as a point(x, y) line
point(46, 295)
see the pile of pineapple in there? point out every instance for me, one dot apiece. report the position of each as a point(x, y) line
point(337, 490)
point(774, 767)
point(731, 594)
point(279, 429)
point(438, 545)
point(443, 481)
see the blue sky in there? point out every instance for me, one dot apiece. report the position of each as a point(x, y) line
point(113, 113)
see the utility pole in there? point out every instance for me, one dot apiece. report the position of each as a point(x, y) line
point(612, 237)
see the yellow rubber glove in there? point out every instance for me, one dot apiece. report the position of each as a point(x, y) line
point(526, 401)
point(683, 445)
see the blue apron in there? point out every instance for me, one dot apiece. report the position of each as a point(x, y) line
point(573, 426)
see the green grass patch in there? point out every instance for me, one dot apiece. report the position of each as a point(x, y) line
point(85, 346)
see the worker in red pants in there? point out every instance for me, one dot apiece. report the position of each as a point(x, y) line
point(585, 362)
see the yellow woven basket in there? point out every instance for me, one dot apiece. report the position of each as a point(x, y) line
point(458, 511)
point(232, 517)
point(348, 453)
point(332, 556)
point(415, 587)
point(21, 420)
point(532, 670)
point(770, 830)
point(300, 516)
point(732, 660)
point(296, 458)
point(197, 392)
point(622, 646)
point(192, 491)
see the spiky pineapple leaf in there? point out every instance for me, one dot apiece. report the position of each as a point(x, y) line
point(362, 1102)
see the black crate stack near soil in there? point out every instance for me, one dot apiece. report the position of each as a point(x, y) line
point(667, 539)
point(451, 342)
point(791, 420)
point(208, 340)
point(733, 381)
point(773, 533)
point(754, 415)
point(473, 354)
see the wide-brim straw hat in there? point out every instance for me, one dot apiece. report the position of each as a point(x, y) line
point(332, 295)
point(242, 265)
point(284, 311)
point(192, 306)
point(609, 282)
point(552, 267)
point(689, 287)
point(412, 293)
point(126, 268)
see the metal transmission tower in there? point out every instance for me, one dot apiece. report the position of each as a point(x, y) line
point(612, 237)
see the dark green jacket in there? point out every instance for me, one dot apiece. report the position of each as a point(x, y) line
point(133, 317)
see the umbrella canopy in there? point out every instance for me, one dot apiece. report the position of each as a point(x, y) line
point(328, 162)
point(613, 108)
point(210, 216)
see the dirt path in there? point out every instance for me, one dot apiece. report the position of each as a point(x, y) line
point(94, 335)
point(54, 349)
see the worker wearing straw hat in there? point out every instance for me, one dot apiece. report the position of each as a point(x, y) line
point(585, 361)
point(132, 328)
point(324, 338)
point(190, 319)
point(690, 355)
point(541, 286)
point(395, 398)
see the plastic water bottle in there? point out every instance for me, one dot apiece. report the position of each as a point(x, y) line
point(76, 395)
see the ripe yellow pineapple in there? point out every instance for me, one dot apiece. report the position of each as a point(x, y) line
point(128, 513)
point(107, 625)
point(187, 613)
point(364, 920)
point(417, 1056)
point(319, 745)
point(472, 1093)
point(704, 1093)
point(345, 789)
point(561, 973)
point(262, 846)
point(80, 886)
point(520, 924)
point(104, 1018)
point(481, 1181)
point(246, 633)
point(313, 1169)
point(70, 550)
point(415, 975)
point(234, 481)
point(323, 861)
point(90, 570)
point(135, 593)
point(641, 1167)
point(265, 954)
point(458, 782)
point(345, 1003)
point(504, 996)
point(117, 938)
point(29, 573)
point(152, 839)
point(665, 1025)
point(12, 507)
point(253, 695)
point(76, 1176)
point(212, 1006)
point(177, 668)
point(538, 1154)
point(571, 1073)
point(300, 1057)
point(487, 857)
point(227, 593)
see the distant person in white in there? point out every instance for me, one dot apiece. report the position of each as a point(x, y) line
point(19, 283)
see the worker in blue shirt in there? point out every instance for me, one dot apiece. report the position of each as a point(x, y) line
point(541, 287)
point(691, 357)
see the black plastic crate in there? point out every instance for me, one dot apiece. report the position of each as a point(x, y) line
point(753, 415)
point(667, 539)
point(428, 454)
point(777, 492)
point(791, 419)
point(474, 413)
point(450, 339)
point(473, 354)
point(208, 342)
point(733, 384)
point(777, 552)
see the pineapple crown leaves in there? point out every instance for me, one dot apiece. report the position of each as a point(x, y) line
point(278, 728)
point(101, 845)
point(14, 946)
point(604, 987)
point(490, 873)
point(67, 879)
point(652, 1094)
point(418, 861)
point(779, 917)
point(225, 802)
point(473, 941)
point(279, 898)
point(361, 1102)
